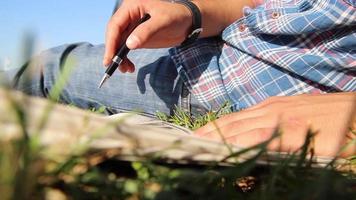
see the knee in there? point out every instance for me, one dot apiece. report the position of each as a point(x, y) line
point(38, 75)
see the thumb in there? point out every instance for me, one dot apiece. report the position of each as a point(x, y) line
point(142, 33)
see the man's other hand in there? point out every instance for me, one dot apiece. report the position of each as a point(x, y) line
point(330, 116)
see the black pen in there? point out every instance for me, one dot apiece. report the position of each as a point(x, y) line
point(120, 55)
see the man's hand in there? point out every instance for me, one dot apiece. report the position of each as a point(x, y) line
point(169, 25)
point(331, 116)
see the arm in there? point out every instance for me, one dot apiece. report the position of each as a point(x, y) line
point(169, 25)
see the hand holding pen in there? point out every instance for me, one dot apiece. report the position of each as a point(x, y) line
point(169, 25)
point(120, 55)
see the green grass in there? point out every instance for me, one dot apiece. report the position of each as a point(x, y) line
point(185, 119)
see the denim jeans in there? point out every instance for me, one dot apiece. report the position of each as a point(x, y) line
point(154, 86)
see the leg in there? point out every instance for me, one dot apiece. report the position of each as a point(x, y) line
point(154, 86)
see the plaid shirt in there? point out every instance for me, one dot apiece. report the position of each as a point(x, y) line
point(282, 47)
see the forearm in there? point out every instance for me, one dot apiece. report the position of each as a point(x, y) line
point(218, 14)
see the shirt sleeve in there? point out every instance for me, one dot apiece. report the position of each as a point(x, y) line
point(198, 67)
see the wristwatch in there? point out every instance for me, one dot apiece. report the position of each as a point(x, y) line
point(196, 21)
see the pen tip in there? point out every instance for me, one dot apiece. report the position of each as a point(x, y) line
point(105, 77)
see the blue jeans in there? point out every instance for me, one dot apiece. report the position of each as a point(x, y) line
point(154, 86)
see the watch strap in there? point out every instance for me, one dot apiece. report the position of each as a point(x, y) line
point(196, 21)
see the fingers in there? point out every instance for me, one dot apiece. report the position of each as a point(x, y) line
point(227, 119)
point(254, 137)
point(251, 131)
point(126, 66)
point(289, 140)
point(115, 30)
point(141, 34)
point(240, 127)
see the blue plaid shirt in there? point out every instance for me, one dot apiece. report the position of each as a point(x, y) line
point(282, 47)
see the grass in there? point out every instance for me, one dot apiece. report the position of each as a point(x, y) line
point(27, 173)
point(185, 119)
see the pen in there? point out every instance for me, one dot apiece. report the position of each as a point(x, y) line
point(120, 55)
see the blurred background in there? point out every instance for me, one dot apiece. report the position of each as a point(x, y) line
point(51, 23)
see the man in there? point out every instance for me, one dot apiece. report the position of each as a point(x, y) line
point(282, 63)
